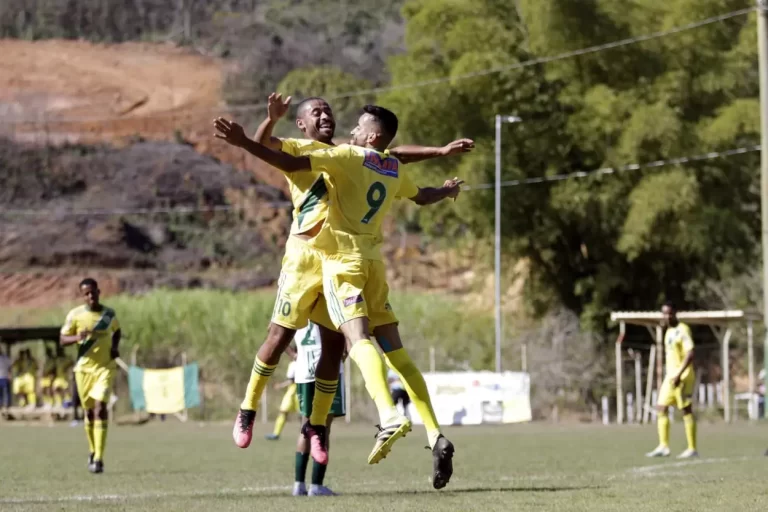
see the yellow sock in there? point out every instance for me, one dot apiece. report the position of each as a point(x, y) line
point(57, 400)
point(99, 439)
point(279, 424)
point(414, 384)
point(89, 434)
point(662, 422)
point(31, 398)
point(258, 381)
point(325, 390)
point(47, 400)
point(690, 430)
point(374, 372)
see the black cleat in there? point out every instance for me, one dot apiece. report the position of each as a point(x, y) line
point(96, 466)
point(90, 459)
point(442, 462)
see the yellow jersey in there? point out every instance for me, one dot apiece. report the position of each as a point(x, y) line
point(309, 193)
point(677, 342)
point(96, 350)
point(363, 184)
point(20, 367)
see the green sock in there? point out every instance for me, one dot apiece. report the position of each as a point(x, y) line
point(318, 473)
point(302, 459)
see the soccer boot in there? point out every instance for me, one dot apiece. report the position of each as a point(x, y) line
point(316, 435)
point(272, 437)
point(96, 467)
point(90, 459)
point(442, 462)
point(659, 451)
point(688, 454)
point(320, 490)
point(299, 489)
point(242, 432)
point(386, 437)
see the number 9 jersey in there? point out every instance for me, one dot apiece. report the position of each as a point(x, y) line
point(362, 185)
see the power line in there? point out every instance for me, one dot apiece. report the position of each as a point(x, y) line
point(614, 170)
point(133, 211)
point(445, 79)
point(484, 186)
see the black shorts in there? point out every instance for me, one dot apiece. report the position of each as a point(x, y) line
point(400, 395)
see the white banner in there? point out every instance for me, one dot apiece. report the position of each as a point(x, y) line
point(475, 398)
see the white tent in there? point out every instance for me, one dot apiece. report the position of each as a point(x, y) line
point(720, 323)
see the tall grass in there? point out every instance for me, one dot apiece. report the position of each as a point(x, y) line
point(222, 332)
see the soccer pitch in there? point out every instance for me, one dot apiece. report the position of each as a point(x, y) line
point(194, 467)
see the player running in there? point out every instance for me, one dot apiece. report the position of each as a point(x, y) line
point(300, 283)
point(290, 402)
point(308, 354)
point(95, 329)
point(679, 380)
point(365, 180)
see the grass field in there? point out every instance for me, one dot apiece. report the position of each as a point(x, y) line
point(196, 467)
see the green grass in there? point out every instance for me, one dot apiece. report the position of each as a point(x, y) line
point(196, 467)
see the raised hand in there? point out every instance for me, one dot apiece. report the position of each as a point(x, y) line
point(454, 187)
point(276, 106)
point(230, 131)
point(458, 146)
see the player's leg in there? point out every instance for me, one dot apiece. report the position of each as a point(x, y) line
point(31, 391)
point(317, 486)
point(666, 398)
point(287, 405)
point(21, 397)
point(683, 395)
point(100, 393)
point(84, 383)
point(326, 386)
point(298, 287)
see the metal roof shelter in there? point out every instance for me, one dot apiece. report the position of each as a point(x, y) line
point(12, 335)
point(719, 321)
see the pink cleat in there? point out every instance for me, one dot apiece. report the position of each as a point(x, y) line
point(242, 433)
point(317, 442)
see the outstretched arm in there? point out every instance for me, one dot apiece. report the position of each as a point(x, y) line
point(234, 134)
point(276, 109)
point(431, 195)
point(410, 154)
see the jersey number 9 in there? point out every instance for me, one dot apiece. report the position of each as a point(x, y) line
point(376, 196)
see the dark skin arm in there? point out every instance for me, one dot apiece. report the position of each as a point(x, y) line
point(409, 154)
point(66, 340)
point(432, 195)
point(115, 350)
point(276, 109)
point(233, 134)
point(686, 362)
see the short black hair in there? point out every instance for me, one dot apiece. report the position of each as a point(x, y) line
point(89, 281)
point(386, 118)
point(307, 101)
point(670, 305)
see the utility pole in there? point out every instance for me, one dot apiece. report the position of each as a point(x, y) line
point(762, 46)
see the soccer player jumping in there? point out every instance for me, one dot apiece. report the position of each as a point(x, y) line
point(365, 181)
point(300, 285)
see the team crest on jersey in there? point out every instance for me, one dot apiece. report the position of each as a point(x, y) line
point(388, 166)
point(352, 300)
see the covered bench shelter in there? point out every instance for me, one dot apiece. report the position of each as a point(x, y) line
point(10, 336)
point(719, 321)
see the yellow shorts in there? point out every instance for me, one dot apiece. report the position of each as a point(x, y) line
point(60, 383)
point(356, 288)
point(290, 401)
point(299, 287)
point(679, 396)
point(94, 385)
point(24, 384)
